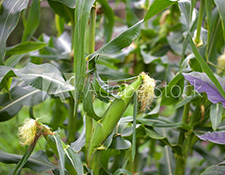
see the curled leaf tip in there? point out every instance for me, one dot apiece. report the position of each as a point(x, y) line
point(146, 91)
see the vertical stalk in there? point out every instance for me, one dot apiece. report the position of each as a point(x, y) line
point(89, 120)
point(72, 118)
point(180, 166)
point(71, 122)
point(200, 18)
point(92, 30)
point(184, 139)
point(81, 14)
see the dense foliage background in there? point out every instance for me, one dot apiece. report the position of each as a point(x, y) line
point(69, 65)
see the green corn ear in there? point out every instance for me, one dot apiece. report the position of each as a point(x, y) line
point(110, 118)
point(144, 86)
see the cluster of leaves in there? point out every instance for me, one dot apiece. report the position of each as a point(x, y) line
point(176, 42)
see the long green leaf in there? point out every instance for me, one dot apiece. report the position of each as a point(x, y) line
point(37, 162)
point(160, 122)
point(24, 159)
point(208, 6)
point(205, 67)
point(62, 10)
point(81, 18)
point(69, 3)
point(11, 104)
point(108, 20)
point(24, 47)
point(121, 41)
point(157, 6)
point(61, 153)
point(57, 149)
point(185, 8)
point(10, 11)
point(33, 20)
point(75, 160)
point(186, 100)
point(14, 60)
point(154, 135)
point(39, 77)
point(131, 18)
point(221, 6)
point(214, 34)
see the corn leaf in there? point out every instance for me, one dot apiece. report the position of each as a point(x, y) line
point(24, 47)
point(81, 18)
point(39, 77)
point(158, 6)
point(205, 67)
point(37, 162)
point(61, 154)
point(14, 60)
point(121, 41)
point(75, 160)
point(221, 6)
point(33, 20)
point(24, 159)
point(10, 12)
point(69, 3)
point(62, 10)
point(12, 102)
point(108, 20)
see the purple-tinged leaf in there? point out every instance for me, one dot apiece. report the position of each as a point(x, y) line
point(202, 83)
point(215, 137)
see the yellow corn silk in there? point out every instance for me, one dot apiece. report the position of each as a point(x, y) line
point(146, 91)
point(28, 131)
point(31, 130)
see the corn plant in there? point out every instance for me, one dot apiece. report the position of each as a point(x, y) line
point(148, 99)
